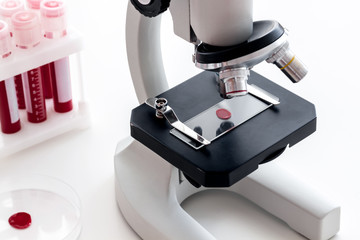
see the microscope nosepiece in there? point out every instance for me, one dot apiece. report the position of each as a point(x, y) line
point(288, 63)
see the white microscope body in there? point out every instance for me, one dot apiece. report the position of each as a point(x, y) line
point(149, 190)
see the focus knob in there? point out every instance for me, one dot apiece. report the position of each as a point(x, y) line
point(151, 8)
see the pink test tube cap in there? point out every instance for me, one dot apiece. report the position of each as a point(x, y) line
point(5, 43)
point(33, 4)
point(53, 18)
point(9, 7)
point(27, 29)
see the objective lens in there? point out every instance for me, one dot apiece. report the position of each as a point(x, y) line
point(289, 64)
point(233, 82)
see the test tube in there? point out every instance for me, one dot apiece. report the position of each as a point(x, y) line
point(27, 34)
point(9, 113)
point(54, 26)
point(7, 9)
point(34, 5)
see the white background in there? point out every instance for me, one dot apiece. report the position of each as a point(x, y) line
point(324, 34)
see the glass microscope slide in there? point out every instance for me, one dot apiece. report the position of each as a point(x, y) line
point(222, 118)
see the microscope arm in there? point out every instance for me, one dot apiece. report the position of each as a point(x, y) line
point(144, 54)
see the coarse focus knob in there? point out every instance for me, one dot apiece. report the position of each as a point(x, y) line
point(151, 8)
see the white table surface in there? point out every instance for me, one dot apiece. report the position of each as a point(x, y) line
point(325, 34)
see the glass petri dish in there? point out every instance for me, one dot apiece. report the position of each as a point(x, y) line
point(54, 208)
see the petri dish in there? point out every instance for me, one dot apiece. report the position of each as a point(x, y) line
point(38, 207)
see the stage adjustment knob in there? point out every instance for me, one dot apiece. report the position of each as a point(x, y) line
point(151, 8)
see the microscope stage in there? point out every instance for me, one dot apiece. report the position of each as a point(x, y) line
point(239, 152)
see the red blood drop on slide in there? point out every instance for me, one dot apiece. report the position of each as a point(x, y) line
point(223, 114)
point(20, 220)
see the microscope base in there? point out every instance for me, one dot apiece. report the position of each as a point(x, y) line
point(149, 192)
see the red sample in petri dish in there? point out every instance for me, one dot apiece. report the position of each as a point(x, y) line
point(20, 220)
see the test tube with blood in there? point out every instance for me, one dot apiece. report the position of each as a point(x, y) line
point(34, 5)
point(7, 9)
point(27, 34)
point(9, 113)
point(54, 26)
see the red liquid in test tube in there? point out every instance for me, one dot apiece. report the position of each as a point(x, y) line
point(54, 25)
point(20, 91)
point(27, 34)
point(9, 115)
point(46, 80)
point(34, 96)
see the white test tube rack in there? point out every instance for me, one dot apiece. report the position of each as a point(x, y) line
point(56, 124)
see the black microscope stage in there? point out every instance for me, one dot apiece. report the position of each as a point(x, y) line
point(236, 154)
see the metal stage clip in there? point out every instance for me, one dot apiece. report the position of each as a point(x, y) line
point(163, 110)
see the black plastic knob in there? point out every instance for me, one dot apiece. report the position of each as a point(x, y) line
point(151, 9)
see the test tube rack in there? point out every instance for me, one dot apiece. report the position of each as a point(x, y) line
point(47, 51)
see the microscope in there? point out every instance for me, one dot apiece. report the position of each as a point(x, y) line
point(215, 129)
